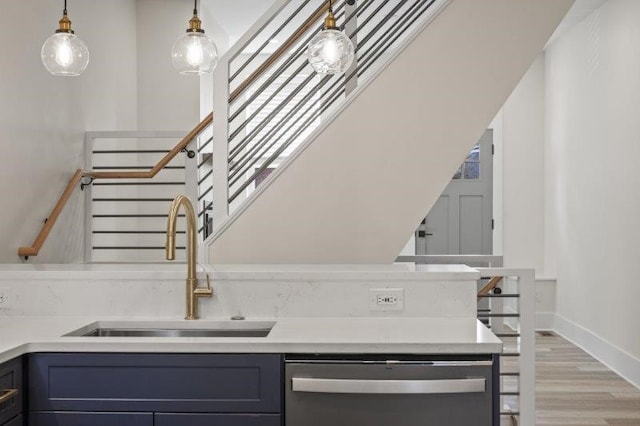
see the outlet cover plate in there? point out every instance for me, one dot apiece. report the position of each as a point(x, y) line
point(386, 299)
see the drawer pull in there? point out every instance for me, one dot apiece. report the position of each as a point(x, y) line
point(7, 394)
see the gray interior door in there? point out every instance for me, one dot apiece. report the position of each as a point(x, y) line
point(461, 220)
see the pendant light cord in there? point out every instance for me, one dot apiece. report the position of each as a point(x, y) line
point(195, 7)
point(330, 6)
point(64, 12)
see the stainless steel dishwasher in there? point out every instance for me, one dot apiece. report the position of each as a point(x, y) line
point(391, 391)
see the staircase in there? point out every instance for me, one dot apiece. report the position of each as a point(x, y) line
point(303, 168)
point(128, 217)
point(355, 189)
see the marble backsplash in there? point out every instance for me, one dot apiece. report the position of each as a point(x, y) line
point(160, 292)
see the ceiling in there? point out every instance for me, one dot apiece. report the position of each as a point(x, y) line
point(237, 16)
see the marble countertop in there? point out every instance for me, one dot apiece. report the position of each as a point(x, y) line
point(176, 271)
point(19, 336)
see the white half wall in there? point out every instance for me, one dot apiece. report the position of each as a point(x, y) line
point(593, 133)
point(358, 191)
point(43, 118)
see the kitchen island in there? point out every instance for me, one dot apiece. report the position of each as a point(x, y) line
point(179, 381)
point(420, 326)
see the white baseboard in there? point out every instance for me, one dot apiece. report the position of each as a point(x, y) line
point(544, 320)
point(623, 363)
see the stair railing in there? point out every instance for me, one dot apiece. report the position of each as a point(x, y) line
point(91, 175)
point(191, 136)
point(268, 100)
point(269, 108)
point(511, 317)
point(509, 311)
point(34, 249)
point(125, 219)
point(204, 177)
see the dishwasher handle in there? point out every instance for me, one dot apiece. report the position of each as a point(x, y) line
point(358, 386)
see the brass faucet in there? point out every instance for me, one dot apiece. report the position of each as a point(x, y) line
point(193, 291)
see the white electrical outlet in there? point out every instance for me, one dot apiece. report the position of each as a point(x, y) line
point(386, 299)
point(5, 297)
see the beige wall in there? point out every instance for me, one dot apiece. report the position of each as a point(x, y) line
point(166, 99)
point(43, 118)
point(130, 84)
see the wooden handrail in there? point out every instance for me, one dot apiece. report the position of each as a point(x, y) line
point(51, 220)
point(162, 163)
point(493, 283)
point(266, 65)
point(34, 249)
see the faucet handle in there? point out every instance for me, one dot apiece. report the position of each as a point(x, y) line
point(204, 292)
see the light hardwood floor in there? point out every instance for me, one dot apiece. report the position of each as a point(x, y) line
point(573, 389)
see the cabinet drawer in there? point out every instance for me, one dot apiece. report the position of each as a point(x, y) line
point(16, 421)
point(185, 383)
point(90, 419)
point(11, 379)
point(182, 419)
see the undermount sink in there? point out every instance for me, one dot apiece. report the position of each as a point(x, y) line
point(175, 329)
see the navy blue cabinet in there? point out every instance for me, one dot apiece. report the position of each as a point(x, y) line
point(16, 421)
point(90, 419)
point(190, 419)
point(11, 386)
point(201, 389)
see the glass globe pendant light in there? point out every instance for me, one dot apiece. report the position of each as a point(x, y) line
point(194, 52)
point(331, 51)
point(63, 53)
